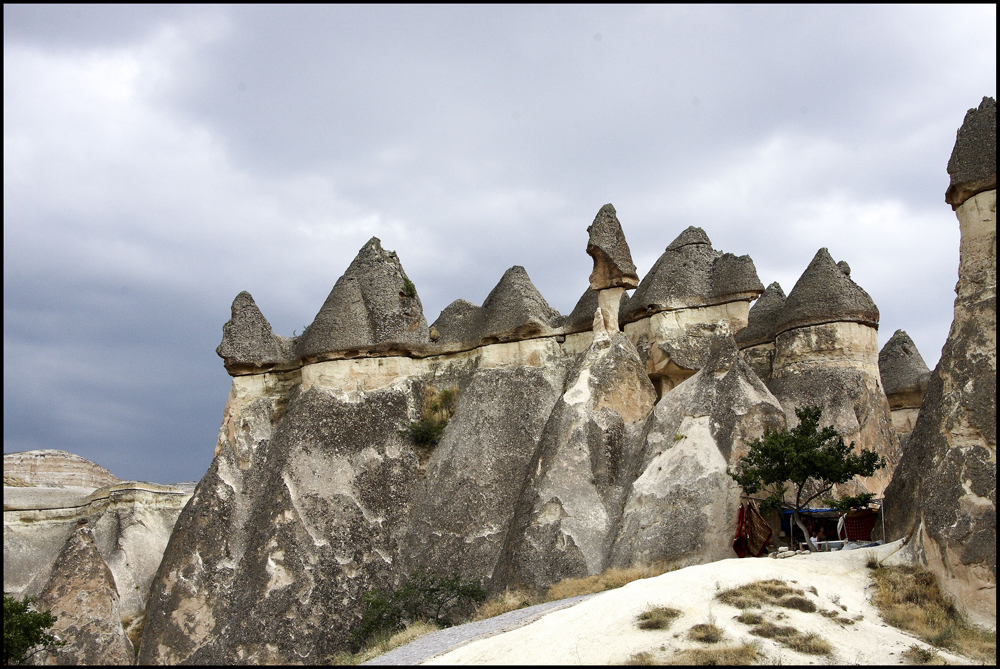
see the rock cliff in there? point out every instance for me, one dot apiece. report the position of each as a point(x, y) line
point(944, 491)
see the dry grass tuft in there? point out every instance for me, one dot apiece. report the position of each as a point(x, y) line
point(743, 654)
point(772, 631)
point(749, 618)
point(657, 618)
point(506, 601)
point(917, 655)
point(609, 580)
point(705, 633)
point(383, 644)
point(798, 603)
point(756, 594)
point(909, 598)
point(640, 659)
point(810, 644)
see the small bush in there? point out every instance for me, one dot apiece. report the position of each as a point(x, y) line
point(426, 431)
point(423, 596)
point(657, 618)
point(409, 290)
point(705, 633)
point(917, 655)
point(749, 618)
point(756, 594)
point(772, 631)
point(798, 603)
point(810, 644)
point(640, 660)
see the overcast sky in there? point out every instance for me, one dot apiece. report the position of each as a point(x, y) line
point(158, 160)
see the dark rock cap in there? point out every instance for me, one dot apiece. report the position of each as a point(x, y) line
point(613, 266)
point(690, 273)
point(373, 303)
point(825, 294)
point(901, 367)
point(763, 318)
point(247, 338)
point(457, 323)
point(973, 162)
point(515, 309)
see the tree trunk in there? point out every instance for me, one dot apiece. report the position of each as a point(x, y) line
point(805, 531)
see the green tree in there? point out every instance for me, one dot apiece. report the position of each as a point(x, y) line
point(25, 630)
point(800, 456)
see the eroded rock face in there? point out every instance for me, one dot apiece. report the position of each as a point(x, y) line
point(373, 304)
point(613, 266)
point(973, 163)
point(570, 507)
point(52, 468)
point(82, 594)
point(825, 293)
point(904, 379)
point(682, 505)
point(756, 340)
point(944, 493)
point(248, 343)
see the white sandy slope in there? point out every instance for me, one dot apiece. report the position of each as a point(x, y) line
point(602, 629)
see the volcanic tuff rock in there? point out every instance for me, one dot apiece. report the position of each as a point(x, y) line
point(372, 304)
point(577, 483)
point(756, 340)
point(52, 468)
point(613, 267)
point(973, 162)
point(248, 344)
point(944, 491)
point(82, 594)
point(582, 316)
point(682, 506)
point(826, 355)
point(904, 379)
point(514, 310)
point(690, 273)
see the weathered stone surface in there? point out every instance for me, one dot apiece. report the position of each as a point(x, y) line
point(904, 373)
point(973, 162)
point(48, 467)
point(570, 507)
point(81, 593)
point(372, 303)
point(613, 266)
point(690, 273)
point(248, 343)
point(835, 366)
point(514, 310)
point(944, 492)
point(825, 293)
point(682, 505)
point(675, 344)
point(581, 318)
point(756, 340)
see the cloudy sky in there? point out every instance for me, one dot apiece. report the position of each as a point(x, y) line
point(158, 160)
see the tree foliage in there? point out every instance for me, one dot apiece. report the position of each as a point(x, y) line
point(25, 630)
point(813, 460)
point(423, 596)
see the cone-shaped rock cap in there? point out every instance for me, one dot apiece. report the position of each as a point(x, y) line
point(247, 338)
point(973, 162)
point(901, 367)
point(690, 273)
point(374, 302)
point(825, 294)
point(613, 266)
point(458, 323)
point(515, 309)
point(763, 318)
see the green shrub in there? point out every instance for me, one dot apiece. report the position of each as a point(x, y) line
point(25, 631)
point(409, 290)
point(424, 595)
point(426, 431)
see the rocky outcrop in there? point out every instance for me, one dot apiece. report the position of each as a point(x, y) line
point(944, 493)
point(682, 504)
point(130, 523)
point(374, 305)
point(826, 355)
point(904, 378)
point(82, 594)
point(248, 343)
point(51, 468)
point(613, 266)
point(692, 296)
point(570, 507)
point(513, 311)
point(756, 340)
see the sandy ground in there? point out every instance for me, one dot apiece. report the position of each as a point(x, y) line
point(602, 629)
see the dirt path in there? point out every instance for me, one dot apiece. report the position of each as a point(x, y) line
point(448, 639)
